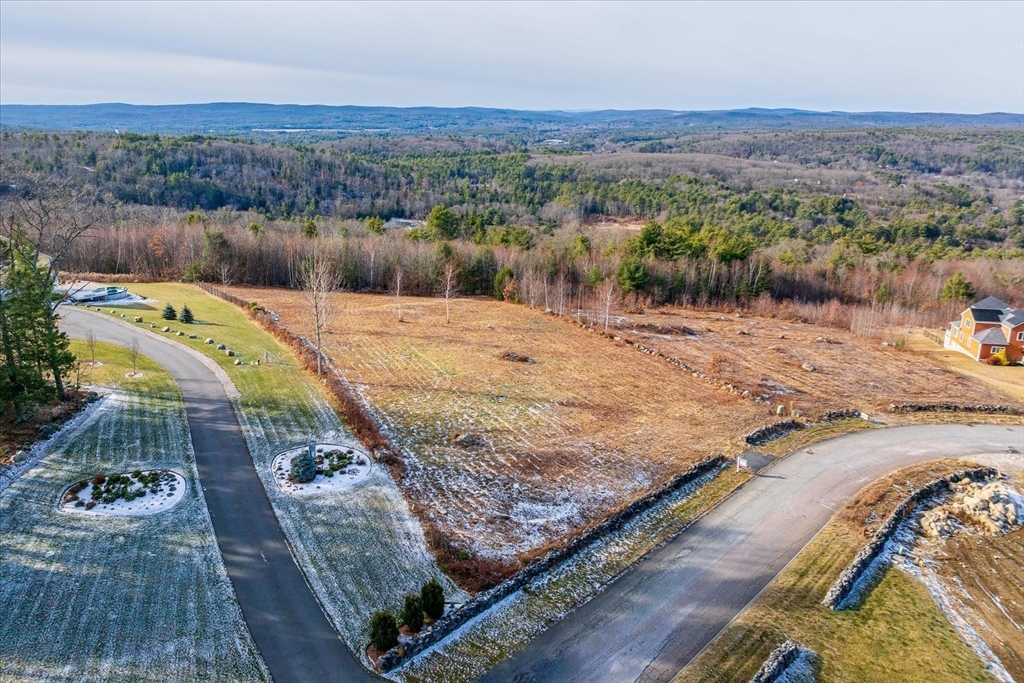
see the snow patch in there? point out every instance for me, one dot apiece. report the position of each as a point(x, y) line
point(356, 473)
point(157, 498)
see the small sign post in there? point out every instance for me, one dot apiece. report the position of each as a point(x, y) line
point(741, 464)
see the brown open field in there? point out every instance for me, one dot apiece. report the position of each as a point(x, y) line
point(767, 359)
point(585, 428)
point(591, 424)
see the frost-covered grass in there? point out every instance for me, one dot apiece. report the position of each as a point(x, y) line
point(564, 440)
point(512, 623)
point(360, 547)
point(98, 598)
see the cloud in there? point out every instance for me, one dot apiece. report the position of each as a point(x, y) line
point(853, 56)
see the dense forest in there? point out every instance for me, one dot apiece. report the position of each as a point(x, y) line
point(878, 217)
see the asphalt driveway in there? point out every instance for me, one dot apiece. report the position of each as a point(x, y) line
point(290, 630)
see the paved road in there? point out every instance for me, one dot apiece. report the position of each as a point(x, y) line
point(651, 622)
point(291, 631)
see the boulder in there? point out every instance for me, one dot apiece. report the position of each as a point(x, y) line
point(166, 328)
point(808, 367)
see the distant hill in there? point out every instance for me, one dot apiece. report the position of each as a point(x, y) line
point(231, 118)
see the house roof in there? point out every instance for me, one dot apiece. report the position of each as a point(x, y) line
point(993, 335)
point(991, 303)
point(1013, 317)
point(986, 315)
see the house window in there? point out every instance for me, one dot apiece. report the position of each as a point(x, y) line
point(997, 349)
point(1020, 336)
point(967, 323)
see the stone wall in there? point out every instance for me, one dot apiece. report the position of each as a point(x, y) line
point(774, 430)
point(953, 408)
point(486, 599)
point(843, 586)
point(779, 660)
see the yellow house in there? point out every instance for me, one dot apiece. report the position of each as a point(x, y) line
point(986, 328)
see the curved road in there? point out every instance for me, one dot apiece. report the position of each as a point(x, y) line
point(650, 623)
point(290, 630)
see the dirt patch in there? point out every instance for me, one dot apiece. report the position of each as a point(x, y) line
point(770, 358)
point(42, 422)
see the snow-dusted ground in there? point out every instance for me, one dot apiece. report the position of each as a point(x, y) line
point(163, 496)
point(104, 598)
point(915, 556)
point(355, 473)
point(491, 637)
point(359, 546)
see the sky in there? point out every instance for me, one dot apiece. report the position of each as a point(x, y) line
point(852, 56)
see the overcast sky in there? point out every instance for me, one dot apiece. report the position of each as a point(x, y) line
point(861, 56)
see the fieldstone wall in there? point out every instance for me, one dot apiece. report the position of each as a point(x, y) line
point(486, 599)
point(843, 586)
point(774, 430)
point(779, 660)
point(953, 408)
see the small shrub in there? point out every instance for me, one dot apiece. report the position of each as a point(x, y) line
point(383, 631)
point(303, 469)
point(186, 315)
point(90, 505)
point(169, 313)
point(136, 474)
point(412, 613)
point(1000, 358)
point(99, 479)
point(255, 307)
point(432, 596)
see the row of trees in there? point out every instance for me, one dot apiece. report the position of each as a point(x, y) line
point(664, 263)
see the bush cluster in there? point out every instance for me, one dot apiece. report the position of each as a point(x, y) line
point(336, 460)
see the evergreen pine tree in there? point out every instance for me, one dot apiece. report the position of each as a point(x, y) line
point(169, 313)
point(303, 469)
point(383, 631)
point(432, 595)
point(412, 613)
point(186, 315)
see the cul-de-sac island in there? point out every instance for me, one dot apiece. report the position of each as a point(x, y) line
point(510, 396)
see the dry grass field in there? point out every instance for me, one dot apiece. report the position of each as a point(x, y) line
point(1009, 380)
point(558, 443)
point(766, 356)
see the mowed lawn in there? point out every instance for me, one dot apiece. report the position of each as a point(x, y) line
point(360, 548)
point(897, 633)
point(115, 599)
point(557, 443)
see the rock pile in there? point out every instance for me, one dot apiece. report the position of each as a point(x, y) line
point(988, 505)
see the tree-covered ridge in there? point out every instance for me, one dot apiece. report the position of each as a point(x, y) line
point(507, 197)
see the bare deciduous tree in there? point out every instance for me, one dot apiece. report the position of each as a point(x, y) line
point(90, 341)
point(133, 353)
point(398, 290)
point(450, 286)
point(318, 280)
point(606, 294)
point(224, 270)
